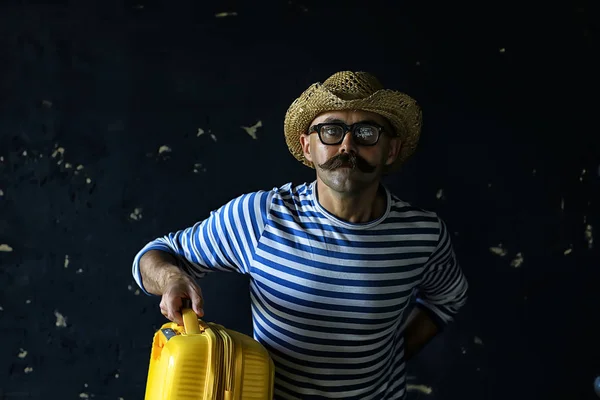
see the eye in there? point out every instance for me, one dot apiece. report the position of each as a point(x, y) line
point(366, 132)
point(331, 130)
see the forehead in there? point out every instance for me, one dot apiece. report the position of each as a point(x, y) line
point(349, 117)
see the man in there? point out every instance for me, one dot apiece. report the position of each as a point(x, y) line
point(333, 264)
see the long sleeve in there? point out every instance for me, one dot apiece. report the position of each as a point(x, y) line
point(443, 289)
point(225, 241)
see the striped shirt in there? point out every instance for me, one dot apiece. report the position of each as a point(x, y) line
point(329, 298)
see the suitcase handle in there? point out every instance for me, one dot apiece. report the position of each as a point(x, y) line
point(190, 319)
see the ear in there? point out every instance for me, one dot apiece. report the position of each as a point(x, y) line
point(305, 143)
point(394, 146)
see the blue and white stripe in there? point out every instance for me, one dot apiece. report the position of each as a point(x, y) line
point(329, 297)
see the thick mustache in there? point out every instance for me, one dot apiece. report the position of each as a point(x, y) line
point(351, 159)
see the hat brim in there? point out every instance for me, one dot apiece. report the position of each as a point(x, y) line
point(401, 110)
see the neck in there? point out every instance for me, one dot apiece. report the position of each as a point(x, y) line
point(367, 205)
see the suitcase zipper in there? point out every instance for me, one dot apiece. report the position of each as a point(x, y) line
point(218, 389)
point(228, 364)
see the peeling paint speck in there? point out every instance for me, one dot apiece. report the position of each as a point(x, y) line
point(589, 236)
point(79, 271)
point(562, 203)
point(80, 167)
point(136, 215)
point(477, 340)
point(411, 387)
point(117, 376)
point(226, 14)
point(197, 167)
point(66, 263)
point(68, 165)
point(27, 301)
point(22, 353)
point(498, 250)
point(137, 292)
point(568, 251)
point(463, 350)
point(84, 395)
point(1, 308)
point(1, 192)
point(200, 132)
point(213, 137)
point(251, 130)
point(88, 180)
point(164, 149)
point(61, 320)
point(5, 248)
point(24, 153)
point(502, 50)
point(47, 103)
point(57, 151)
point(439, 194)
point(517, 261)
point(28, 370)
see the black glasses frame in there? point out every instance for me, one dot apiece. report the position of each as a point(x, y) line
point(347, 128)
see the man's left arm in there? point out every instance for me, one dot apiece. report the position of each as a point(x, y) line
point(441, 293)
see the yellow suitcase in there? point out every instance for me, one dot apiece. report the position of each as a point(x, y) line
point(205, 361)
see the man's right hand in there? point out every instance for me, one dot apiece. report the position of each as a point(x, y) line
point(175, 292)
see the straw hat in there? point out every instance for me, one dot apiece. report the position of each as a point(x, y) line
point(347, 90)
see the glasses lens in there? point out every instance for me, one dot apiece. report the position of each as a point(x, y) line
point(366, 134)
point(331, 133)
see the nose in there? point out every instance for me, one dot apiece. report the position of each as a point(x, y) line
point(348, 145)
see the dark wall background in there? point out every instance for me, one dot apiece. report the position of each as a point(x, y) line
point(90, 91)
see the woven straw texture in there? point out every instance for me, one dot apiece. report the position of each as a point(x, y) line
point(347, 90)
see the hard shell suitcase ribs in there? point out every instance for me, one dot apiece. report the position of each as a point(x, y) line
point(205, 361)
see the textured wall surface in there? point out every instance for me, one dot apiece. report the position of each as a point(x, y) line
point(122, 121)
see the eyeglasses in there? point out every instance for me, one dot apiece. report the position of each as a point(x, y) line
point(333, 133)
